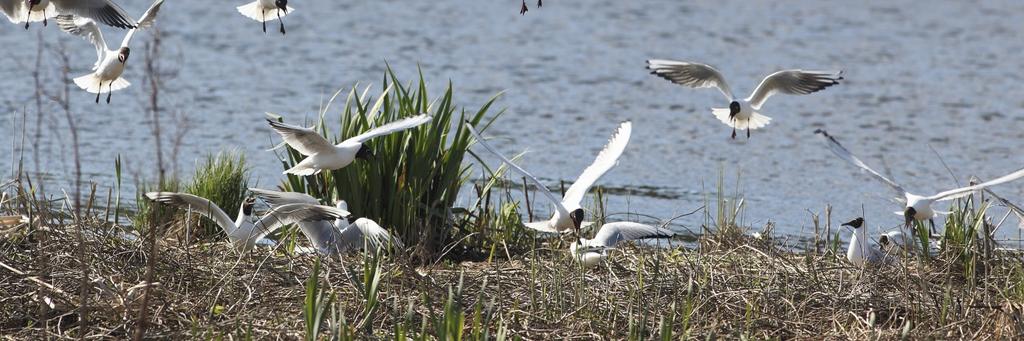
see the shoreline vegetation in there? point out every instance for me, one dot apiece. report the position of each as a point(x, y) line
point(96, 269)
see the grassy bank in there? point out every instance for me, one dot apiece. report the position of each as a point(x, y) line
point(728, 285)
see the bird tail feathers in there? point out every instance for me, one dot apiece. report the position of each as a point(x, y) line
point(92, 83)
point(755, 121)
point(254, 11)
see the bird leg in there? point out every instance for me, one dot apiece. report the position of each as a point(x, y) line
point(281, 20)
point(748, 129)
point(109, 90)
point(264, 15)
point(522, 11)
point(540, 3)
point(932, 223)
point(733, 133)
point(98, 91)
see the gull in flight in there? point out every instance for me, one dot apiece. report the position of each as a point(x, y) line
point(917, 207)
point(258, 10)
point(745, 113)
point(346, 233)
point(104, 11)
point(242, 232)
point(323, 155)
point(568, 215)
point(109, 63)
point(591, 252)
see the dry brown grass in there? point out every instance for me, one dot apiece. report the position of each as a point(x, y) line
point(730, 289)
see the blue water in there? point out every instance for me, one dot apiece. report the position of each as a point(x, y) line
point(919, 75)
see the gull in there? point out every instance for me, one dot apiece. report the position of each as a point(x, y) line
point(104, 11)
point(568, 215)
point(917, 207)
point(109, 63)
point(258, 10)
point(745, 113)
point(591, 252)
point(346, 233)
point(860, 252)
point(242, 232)
point(323, 155)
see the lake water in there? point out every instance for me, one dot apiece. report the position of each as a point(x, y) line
point(919, 74)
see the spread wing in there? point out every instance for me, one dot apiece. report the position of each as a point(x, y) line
point(87, 29)
point(965, 191)
point(104, 11)
point(694, 75)
point(844, 154)
point(606, 159)
point(793, 82)
point(396, 126)
point(293, 213)
point(276, 198)
point(540, 187)
point(304, 140)
point(369, 230)
point(146, 21)
point(198, 205)
point(612, 233)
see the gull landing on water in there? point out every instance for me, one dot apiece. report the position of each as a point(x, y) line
point(322, 155)
point(266, 10)
point(242, 232)
point(346, 233)
point(104, 11)
point(591, 252)
point(568, 214)
point(916, 207)
point(743, 114)
point(109, 63)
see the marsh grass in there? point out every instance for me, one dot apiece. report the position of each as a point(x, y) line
point(416, 177)
point(223, 178)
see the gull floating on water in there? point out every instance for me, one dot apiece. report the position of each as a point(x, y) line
point(916, 207)
point(242, 232)
point(323, 155)
point(266, 10)
point(104, 11)
point(568, 215)
point(591, 252)
point(346, 233)
point(109, 63)
point(745, 113)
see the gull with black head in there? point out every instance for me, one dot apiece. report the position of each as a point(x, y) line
point(745, 113)
point(916, 207)
point(568, 215)
point(266, 10)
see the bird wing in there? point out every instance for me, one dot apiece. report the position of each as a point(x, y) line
point(146, 21)
point(199, 205)
point(606, 159)
point(694, 75)
point(403, 124)
point(304, 140)
point(87, 29)
point(276, 198)
point(103, 11)
point(845, 154)
point(793, 82)
point(965, 191)
point(376, 234)
point(612, 233)
point(543, 189)
point(293, 213)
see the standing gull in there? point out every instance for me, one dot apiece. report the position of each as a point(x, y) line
point(242, 232)
point(109, 63)
point(860, 251)
point(568, 215)
point(346, 233)
point(322, 155)
point(916, 207)
point(591, 252)
point(266, 10)
point(745, 113)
